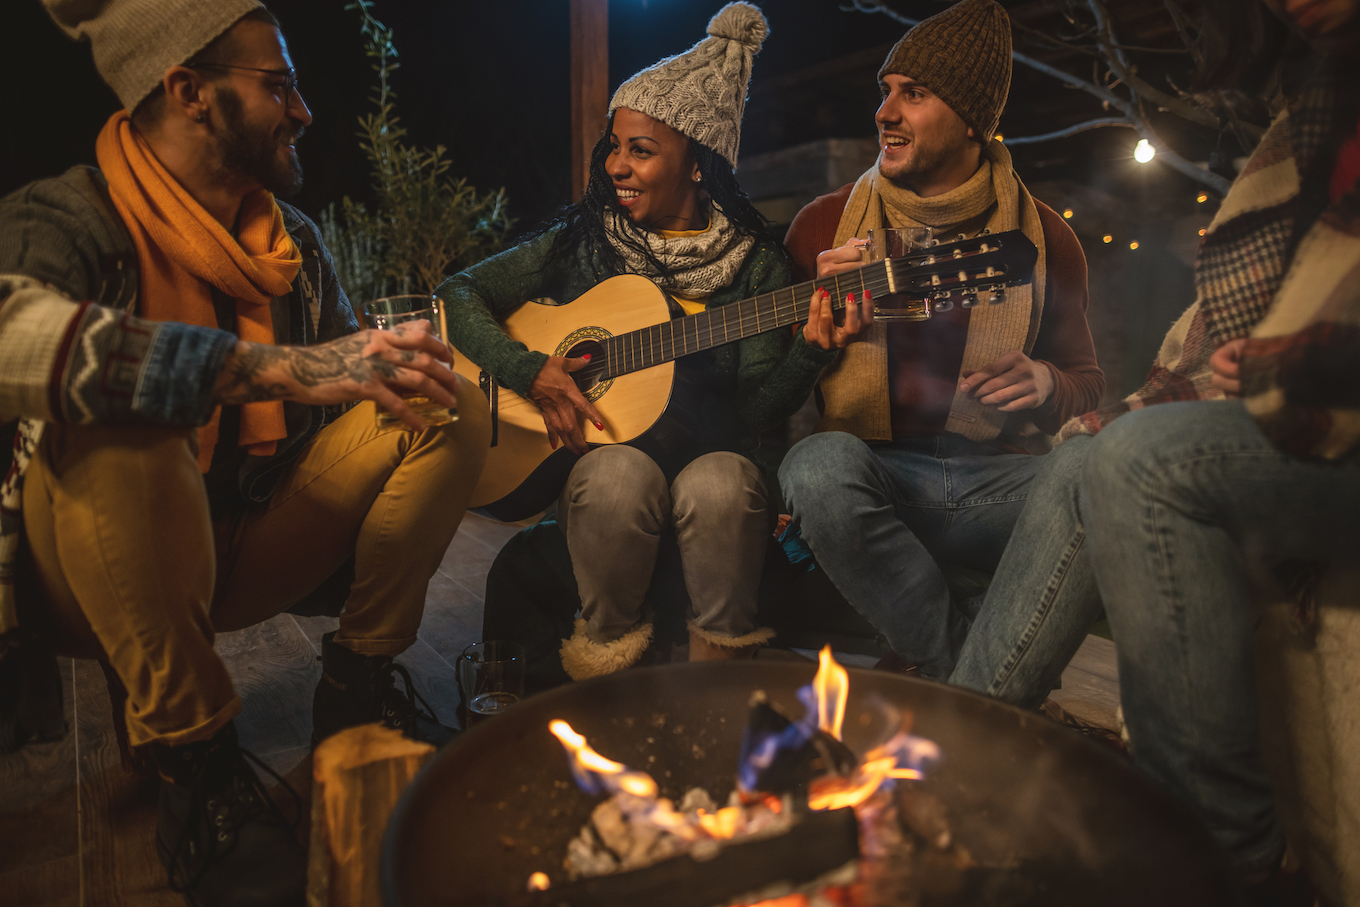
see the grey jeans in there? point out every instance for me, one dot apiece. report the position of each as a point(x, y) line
point(613, 510)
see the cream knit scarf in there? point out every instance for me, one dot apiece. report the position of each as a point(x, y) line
point(855, 389)
point(699, 265)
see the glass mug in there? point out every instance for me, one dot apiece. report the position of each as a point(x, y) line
point(886, 243)
point(385, 314)
point(490, 679)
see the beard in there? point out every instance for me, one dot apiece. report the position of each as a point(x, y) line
point(252, 152)
point(920, 165)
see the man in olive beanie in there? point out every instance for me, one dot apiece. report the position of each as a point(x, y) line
point(179, 357)
point(920, 457)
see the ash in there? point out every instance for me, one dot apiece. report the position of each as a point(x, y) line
point(627, 832)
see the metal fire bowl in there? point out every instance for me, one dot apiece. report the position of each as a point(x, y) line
point(1082, 823)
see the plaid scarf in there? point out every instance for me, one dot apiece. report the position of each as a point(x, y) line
point(1244, 258)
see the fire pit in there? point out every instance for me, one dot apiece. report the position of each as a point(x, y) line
point(1047, 817)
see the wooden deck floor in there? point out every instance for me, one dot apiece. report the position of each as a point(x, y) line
point(76, 828)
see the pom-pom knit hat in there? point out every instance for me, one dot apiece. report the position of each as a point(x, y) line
point(135, 41)
point(963, 55)
point(701, 93)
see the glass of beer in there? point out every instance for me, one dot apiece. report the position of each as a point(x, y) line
point(886, 243)
point(385, 314)
point(490, 678)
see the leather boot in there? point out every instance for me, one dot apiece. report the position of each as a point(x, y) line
point(362, 689)
point(219, 835)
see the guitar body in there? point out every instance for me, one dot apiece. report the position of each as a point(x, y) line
point(523, 475)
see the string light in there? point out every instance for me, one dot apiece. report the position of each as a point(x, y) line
point(999, 137)
point(1107, 238)
point(1202, 197)
point(1202, 231)
point(1143, 151)
point(1067, 213)
point(1134, 244)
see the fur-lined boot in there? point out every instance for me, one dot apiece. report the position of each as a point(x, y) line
point(584, 658)
point(706, 646)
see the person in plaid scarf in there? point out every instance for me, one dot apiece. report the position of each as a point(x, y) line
point(1240, 448)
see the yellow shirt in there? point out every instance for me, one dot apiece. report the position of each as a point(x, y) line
point(697, 304)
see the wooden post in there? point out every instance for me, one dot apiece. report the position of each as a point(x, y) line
point(589, 85)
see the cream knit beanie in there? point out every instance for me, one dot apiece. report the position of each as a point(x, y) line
point(701, 93)
point(135, 41)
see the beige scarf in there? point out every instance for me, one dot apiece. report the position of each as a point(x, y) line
point(700, 264)
point(855, 389)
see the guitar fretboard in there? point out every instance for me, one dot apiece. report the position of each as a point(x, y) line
point(694, 333)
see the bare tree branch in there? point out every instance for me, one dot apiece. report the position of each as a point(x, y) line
point(1119, 65)
point(1070, 130)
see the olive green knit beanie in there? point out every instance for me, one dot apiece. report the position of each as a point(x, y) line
point(701, 93)
point(963, 55)
point(135, 41)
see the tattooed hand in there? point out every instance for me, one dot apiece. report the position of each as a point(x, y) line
point(368, 365)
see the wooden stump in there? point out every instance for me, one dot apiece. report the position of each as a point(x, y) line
point(357, 777)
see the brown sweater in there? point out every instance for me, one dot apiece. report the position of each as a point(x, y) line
point(924, 356)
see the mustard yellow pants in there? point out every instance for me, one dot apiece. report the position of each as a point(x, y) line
point(118, 527)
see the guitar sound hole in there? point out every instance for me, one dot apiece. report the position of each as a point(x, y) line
point(586, 378)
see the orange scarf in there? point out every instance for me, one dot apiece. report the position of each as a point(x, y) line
point(183, 252)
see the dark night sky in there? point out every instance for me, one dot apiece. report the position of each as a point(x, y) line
point(488, 80)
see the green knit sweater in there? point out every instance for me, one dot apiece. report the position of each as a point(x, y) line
point(747, 385)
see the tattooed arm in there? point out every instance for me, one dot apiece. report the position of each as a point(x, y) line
point(367, 365)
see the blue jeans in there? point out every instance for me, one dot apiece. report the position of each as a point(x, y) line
point(879, 519)
point(1163, 511)
point(1043, 597)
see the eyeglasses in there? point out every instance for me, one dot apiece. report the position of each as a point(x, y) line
point(288, 75)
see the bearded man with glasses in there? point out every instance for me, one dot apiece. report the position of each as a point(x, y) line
point(179, 354)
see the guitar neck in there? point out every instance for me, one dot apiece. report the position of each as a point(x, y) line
point(678, 337)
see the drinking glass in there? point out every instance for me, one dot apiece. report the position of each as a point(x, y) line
point(390, 311)
point(896, 242)
point(490, 678)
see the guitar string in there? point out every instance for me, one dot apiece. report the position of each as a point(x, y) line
point(615, 347)
point(649, 346)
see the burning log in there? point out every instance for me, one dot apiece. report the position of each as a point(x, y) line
point(815, 845)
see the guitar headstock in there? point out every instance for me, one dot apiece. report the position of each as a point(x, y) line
point(966, 270)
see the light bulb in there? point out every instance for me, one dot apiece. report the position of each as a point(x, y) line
point(1143, 151)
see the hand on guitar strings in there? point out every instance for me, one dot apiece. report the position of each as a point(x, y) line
point(556, 394)
point(821, 329)
point(1012, 382)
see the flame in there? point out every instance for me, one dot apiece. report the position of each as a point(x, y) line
point(832, 686)
point(723, 824)
point(882, 763)
point(538, 881)
point(587, 764)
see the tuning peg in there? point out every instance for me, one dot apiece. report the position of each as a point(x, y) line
point(998, 295)
point(969, 299)
point(942, 302)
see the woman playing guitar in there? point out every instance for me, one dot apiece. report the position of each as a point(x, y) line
point(662, 202)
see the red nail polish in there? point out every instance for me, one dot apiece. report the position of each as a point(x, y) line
point(600, 426)
point(586, 357)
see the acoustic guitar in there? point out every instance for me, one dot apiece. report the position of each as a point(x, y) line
point(624, 324)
